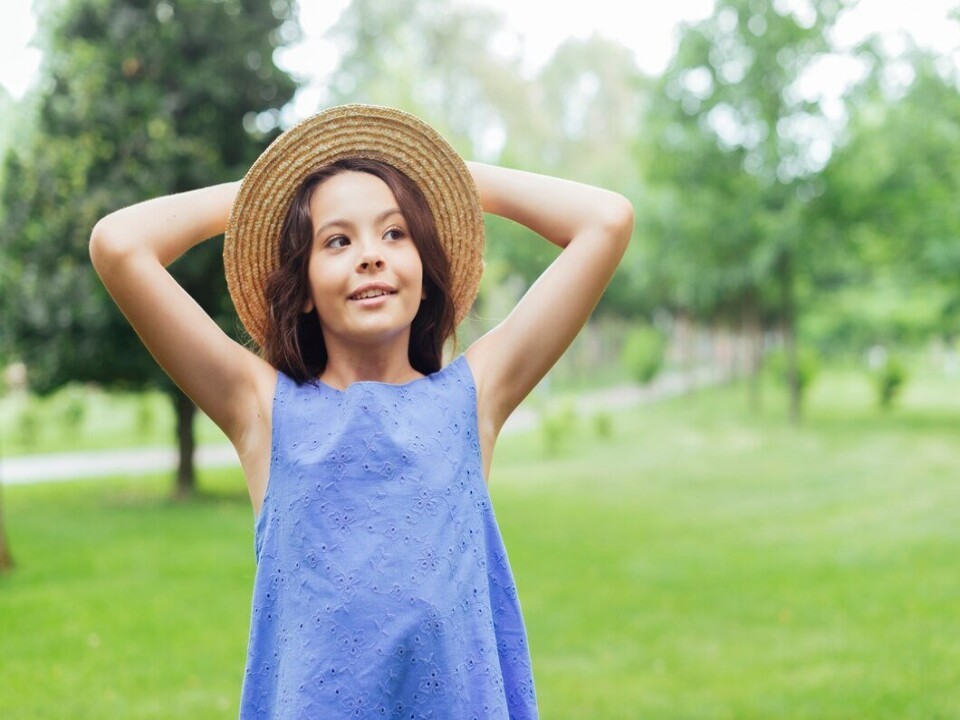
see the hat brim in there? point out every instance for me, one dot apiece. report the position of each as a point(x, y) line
point(251, 248)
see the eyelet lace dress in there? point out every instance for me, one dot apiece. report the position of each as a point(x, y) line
point(382, 586)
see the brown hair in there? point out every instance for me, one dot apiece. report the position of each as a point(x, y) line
point(294, 339)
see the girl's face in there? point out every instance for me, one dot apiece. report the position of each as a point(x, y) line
point(365, 273)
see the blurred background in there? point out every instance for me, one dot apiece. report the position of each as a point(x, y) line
point(735, 496)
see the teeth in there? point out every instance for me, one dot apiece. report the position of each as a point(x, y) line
point(369, 294)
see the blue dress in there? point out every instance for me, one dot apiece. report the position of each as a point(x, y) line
point(382, 587)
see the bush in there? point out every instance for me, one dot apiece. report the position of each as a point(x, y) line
point(557, 425)
point(145, 421)
point(643, 353)
point(603, 425)
point(29, 424)
point(73, 412)
point(890, 379)
point(808, 365)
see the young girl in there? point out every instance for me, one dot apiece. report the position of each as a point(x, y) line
point(353, 247)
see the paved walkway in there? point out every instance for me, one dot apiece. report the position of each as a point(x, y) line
point(140, 461)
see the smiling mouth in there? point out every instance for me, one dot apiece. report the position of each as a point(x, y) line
point(368, 294)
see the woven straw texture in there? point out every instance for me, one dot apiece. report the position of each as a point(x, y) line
point(251, 243)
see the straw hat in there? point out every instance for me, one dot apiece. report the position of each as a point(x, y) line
point(251, 248)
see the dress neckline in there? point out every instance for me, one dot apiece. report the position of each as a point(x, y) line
point(395, 386)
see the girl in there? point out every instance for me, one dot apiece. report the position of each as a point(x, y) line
point(353, 246)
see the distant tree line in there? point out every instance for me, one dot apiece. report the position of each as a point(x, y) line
point(755, 211)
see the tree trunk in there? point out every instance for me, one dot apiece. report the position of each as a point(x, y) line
point(186, 477)
point(685, 343)
point(788, 325)
point(753, 332)
point(6, 559)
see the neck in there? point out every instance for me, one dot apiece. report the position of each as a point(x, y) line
point(386, 362)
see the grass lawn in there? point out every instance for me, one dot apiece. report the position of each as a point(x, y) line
point(704, 562)
point(80, 418)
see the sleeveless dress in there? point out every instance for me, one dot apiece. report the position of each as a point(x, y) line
point(382, 586)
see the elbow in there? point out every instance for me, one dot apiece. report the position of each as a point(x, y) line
point(105, 246)
point(99, 246)
point(618, 219)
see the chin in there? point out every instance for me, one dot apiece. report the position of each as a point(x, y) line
point(376, 328)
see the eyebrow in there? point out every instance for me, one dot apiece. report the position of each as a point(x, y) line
point(344, 223)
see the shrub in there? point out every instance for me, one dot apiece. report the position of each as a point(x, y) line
point(643, 353)
point(890, 379)
point(28, 424)
point(74, 411)
point(145, 420)
point(557, 425)
point(808, 365)
point(603, 425)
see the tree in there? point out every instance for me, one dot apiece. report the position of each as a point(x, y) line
point(435, 59)
point(891, 188)
point(430, 57)
point(7, 106)
point(583, 113)
point(6, 558)
point(733, 154)
point(138, 98)
point(439, 60)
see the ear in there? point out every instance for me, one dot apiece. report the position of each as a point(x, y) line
point(308, 306)
point(423, 294)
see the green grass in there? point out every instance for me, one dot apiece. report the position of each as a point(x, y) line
point(86, 417)
point(32, 425)
point(704, 562)
point(78, 418)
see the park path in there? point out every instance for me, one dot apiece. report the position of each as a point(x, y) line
point(139, 461)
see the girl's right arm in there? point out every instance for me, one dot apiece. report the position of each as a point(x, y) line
point(130, 250)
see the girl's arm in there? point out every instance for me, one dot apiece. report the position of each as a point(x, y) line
point(593, 226)
point(130, 250)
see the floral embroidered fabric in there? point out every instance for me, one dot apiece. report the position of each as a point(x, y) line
point(382, 587)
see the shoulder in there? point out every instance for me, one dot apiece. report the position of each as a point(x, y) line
point(453, 379)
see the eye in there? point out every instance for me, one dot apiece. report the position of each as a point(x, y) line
point(395, 233)
point(337, 241)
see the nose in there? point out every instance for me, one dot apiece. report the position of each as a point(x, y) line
point(371, 257)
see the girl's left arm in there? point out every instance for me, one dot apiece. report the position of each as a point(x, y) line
point(593, 226)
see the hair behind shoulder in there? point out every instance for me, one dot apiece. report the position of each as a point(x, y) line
point(294, 339)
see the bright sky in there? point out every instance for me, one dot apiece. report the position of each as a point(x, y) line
point(648, 29)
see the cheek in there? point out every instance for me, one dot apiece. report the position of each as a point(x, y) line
point(415, 265)
point(415, 276)
point(319, 275)
point(311, 277)
point(318, 283)
point(418, 281)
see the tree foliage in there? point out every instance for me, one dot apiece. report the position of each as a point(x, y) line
point(138, 98)
point(732, 161)
point(442, 61)
point(584, 111)
point(743, 216)
point(890, 194)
